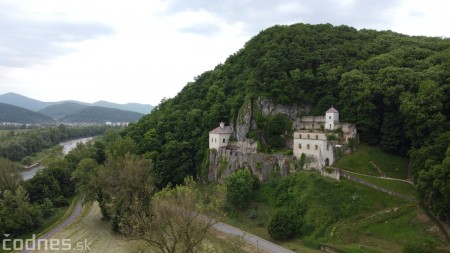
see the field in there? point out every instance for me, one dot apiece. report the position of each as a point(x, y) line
point(89, 229)
point(374, 161)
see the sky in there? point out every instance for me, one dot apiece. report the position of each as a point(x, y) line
point(146, 50)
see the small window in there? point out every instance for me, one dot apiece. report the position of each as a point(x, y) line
point(329, 117)
point(300, 136)
point(223, 140)
point(328, 146)
point(307, 146)
point(330, 126)
point(300, 146)
point(316, 147)
point(212, 139)
point(317, 136)
point(308, 136)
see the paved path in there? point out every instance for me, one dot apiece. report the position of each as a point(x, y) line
point(258, 242)
point(49, 234)
point(387, 178)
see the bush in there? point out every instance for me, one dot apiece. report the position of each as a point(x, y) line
point(60, 201)
point(240, 188)
point(46, 207)
point(284, 225)
point(253, 214)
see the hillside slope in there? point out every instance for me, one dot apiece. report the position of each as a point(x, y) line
point(97, 114)
point(62, 110)
point(395, 88)
point(15, 114)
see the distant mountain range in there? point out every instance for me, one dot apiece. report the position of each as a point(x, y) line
point(36, 105)
point(16, 108)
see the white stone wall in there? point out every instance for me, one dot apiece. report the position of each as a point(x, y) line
point(313, 144)
point(217, 141)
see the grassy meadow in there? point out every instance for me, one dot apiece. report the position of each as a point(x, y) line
point(366, 159)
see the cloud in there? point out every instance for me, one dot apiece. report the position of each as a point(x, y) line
point(258, 15)
point(27, 40)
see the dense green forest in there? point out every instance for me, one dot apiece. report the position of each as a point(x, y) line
point(394, 87)
point(16, 145)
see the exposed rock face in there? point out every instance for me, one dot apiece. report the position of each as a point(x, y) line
point(224, 162)
point(245, 120)
point(292, 112)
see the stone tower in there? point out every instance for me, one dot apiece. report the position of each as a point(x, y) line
point(331, 116)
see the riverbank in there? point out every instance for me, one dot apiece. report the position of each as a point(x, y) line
point(29, 171)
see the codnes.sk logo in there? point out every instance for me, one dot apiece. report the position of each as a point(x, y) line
point(44, 244)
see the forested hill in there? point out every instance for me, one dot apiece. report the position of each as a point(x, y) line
point(15, 114)
point(97, 114)
point(394, 87)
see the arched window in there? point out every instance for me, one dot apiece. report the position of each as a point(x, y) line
point(223, 140)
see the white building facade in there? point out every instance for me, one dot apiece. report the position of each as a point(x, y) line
point(220, 136)
point(331, 118)
point(313, 142)
point(316, 147)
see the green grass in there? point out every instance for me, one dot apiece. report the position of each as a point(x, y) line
point(345, 215)
point(388, 232)
point(392, 185)
point(391, 165)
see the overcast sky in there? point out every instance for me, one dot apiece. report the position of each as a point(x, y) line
point(145, 50)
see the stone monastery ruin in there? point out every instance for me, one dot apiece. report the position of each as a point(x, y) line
point(316, 141)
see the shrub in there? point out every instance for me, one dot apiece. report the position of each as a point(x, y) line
point(284, 225)
point(239, 188)
point(253, 214)
point(60, 201)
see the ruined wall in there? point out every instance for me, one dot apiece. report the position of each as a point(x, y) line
point(224, 162)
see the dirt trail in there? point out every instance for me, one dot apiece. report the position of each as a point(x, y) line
point(91, 234)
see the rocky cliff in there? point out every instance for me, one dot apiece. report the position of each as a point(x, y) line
point(245, 121)
point(224, 162)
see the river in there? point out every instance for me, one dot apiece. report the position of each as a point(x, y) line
point(67, 146)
